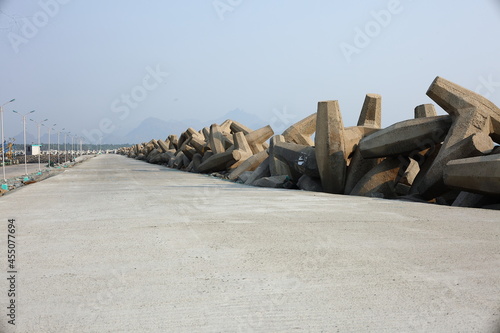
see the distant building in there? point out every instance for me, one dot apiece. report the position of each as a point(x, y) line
point(33, 150)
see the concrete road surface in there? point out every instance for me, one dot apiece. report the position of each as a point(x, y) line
point(18, 170)
point(119, 245)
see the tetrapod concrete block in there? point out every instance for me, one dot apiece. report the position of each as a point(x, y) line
point(300, 159)
point(300, 132)
point(425, 110)
point(379, 181)
point(371, 113)
point(471, 113)
point(277, 167)
point(476, 174)
point(330, 147)
point(249, 164)
point(405, 136)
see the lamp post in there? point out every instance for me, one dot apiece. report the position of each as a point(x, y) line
point(65, 151)
point(58, 151)
point(39, 125)
point(50, 128)
point(3, 146)
point(78, 146)
point(72, 145)
point(24, 130)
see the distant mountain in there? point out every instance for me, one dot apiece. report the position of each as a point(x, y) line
point(154, 128)
point(29, 138)
point(250, 120)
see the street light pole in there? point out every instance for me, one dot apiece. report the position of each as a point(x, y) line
point(50, 128)
point(76, 146)
point(3, 145)
point(24, 130)
point(65, 151)
point(39, 125)
point(72, 145)
point(79, 145)
point(58, 151)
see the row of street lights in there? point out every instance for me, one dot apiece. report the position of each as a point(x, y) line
point(24, 131)
point(3, 146)
point(39, 124)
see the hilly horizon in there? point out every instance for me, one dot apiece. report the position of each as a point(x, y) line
point(153, 128)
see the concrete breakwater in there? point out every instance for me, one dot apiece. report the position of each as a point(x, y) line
point(450, 160)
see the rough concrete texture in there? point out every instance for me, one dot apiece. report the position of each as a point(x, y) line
point(182, 138)
point(242, 147)
point(198, 143)
point(12, 171)
point(225, 127)
point(352, 137)
point(469, 130)
point(330, 147)
point(405, 136)
point(186, 149)
point(300, 132)
point(425, 110)
point(154, 156)
point(207, 155)
point(244, 176)
point(472, 114)
point(300, 159)
point(271, 181)
point(250, 164)
point(474, 200)
point(257, 138)
point(277, 167)
point(261, 171)
point(237, 127)
point(197, 160)
point(216, 139)
point(118, 245)
point(163, 145)
point(228, 140)
point(173, 141)
point(475, 174)
point(206, 133)
point(410, 173)
point(219, 162)
point(402, 189)
point(307, 183)
point(431, 184)
point(379, 181)
point(230, 158)
point(357, 169)
point(371, 112)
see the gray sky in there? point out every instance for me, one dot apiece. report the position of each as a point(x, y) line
point(104, 66)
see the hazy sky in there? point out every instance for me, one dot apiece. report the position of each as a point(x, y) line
point(104, 66)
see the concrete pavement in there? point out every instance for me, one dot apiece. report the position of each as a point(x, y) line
point(120, 245)
point(18, 170)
